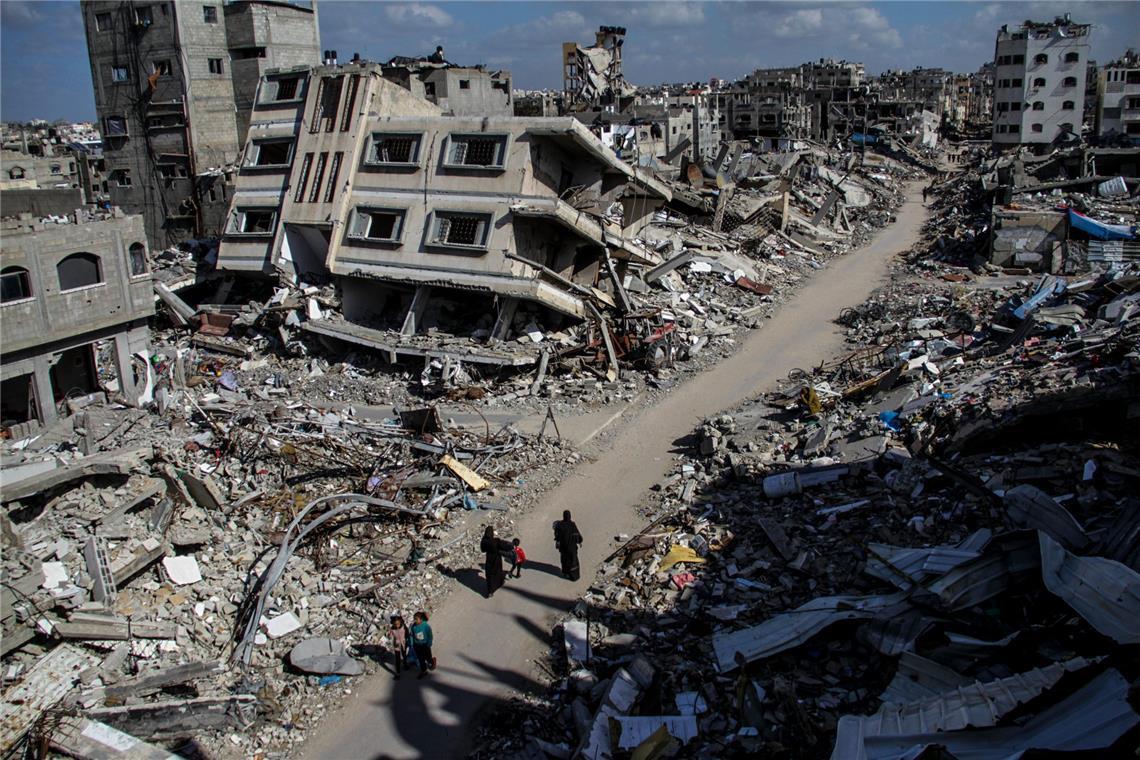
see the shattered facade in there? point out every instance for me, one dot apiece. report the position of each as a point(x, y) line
point(67, 288)
point(1118, 99)
point(1039, 82)
point(592, 76)
point(457, 90)
point(173, 89)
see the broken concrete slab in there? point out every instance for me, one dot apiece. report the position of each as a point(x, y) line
point(324, 656)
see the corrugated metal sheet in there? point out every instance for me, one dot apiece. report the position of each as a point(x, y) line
point(1121, 540)
point(894, 634)
point(1104, 592)
point(1092, 718)
point(918, 678)
point(794, 628)
point(977, 705)
point(1030, 507)
point(917, 565)
point(1003, 565)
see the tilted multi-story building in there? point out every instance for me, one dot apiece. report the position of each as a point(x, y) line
point(174, 85)
point(364, 184)
point(1039, 81)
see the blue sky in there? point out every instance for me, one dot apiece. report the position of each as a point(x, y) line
point(44, 70)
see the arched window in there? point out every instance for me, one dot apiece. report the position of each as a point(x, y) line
point(1041, 58)
point(137, 253)
point(1039, 82)
point(1068, 105)
point(79, 270)
point(1038, 105)
point(1069, 82)
point(1072, 57)
point(1036, 127)
point(16, 172)
point(15, 284)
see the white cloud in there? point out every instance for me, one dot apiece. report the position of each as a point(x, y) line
point(19, 13)
point(664, 13)
point(541, 32)
point(417, 14)
point(838, 25)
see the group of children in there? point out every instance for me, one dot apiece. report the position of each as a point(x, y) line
point(417, 651)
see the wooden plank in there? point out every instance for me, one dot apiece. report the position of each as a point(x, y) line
point(473, 479)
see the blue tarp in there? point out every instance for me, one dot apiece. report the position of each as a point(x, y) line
point(1099, 230)
point(859, 138)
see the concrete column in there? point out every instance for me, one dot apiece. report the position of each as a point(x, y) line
point(127, 385)
point(45, 399)
point(416, 310)
point(506, 315)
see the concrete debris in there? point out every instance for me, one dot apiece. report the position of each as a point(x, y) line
point(867, 551)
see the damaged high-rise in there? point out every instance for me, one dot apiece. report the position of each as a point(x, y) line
point(478, 225)
point(174, 85)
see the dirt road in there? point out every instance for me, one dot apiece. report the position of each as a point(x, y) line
point(485, 646)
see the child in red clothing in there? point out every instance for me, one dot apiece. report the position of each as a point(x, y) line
point(517, 560)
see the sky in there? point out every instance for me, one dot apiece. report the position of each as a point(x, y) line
point(44, 70)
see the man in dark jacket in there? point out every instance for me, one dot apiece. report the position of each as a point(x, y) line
point(567, 539)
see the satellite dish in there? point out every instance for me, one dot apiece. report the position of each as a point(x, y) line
point(696, 178)
point(723, 180)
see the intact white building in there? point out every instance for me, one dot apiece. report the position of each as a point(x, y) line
point(1039, 81)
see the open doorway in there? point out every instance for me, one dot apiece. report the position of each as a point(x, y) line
point(306, 247)
point(74, 374)
point(17, 400)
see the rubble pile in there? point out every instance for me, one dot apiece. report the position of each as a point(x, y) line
point(170, 574)
point(930, 539)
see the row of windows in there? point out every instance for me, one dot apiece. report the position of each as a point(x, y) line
point(79, 270)
point(1070, 57)
point(144, 16)
point(1120, 75)
point(1037, 82)
point(400, 150)
point(1037, 105)
point(453, 229)
point(1014, 129)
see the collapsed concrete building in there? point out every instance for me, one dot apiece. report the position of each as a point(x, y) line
point(67, 289)
point(592, 76)
point(423, 221)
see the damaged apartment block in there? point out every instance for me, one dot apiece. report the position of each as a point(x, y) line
point(486, 229)
point(70, 292)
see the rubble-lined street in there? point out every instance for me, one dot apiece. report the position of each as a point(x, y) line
point(487, 647)
point(370, 405)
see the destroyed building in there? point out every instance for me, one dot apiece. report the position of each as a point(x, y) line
point(1039, 82)
point(592, 76)
point(1118, 99)
point(174, 85)
point(426, 221)
point(457, 90)
point(69, 288)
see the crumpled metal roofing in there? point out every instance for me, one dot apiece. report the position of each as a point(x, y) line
point(976, 705)
point(1006, 563)
point(915, 564)
point(1092, 718)
point(1030, 507)
point(918, 677)
point(1103, 591)
point(794, 628)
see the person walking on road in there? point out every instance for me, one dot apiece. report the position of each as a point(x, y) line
point(518, 558)
point(567, 539)
point(493, 548)
point(421, 643)
point(399, 633)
